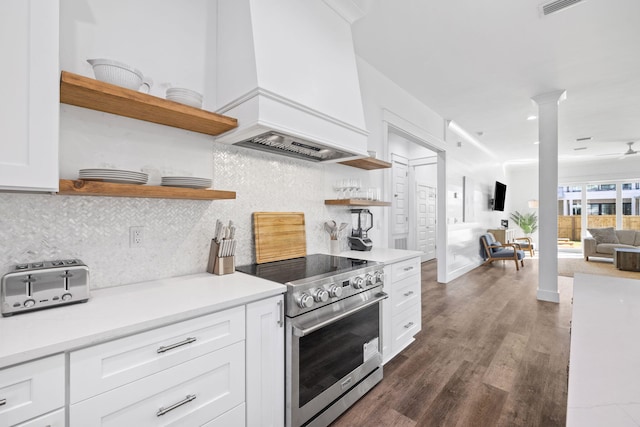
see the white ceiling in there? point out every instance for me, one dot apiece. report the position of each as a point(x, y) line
point(479, 62)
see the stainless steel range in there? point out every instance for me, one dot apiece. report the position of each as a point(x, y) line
point(333, 323)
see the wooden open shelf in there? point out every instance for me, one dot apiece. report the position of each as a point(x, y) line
point(356, 202)
point(368, 163)
point(80, 187)
point(90, 93)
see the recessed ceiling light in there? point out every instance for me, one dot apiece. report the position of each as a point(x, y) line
point(532, 117)
point(536, 142)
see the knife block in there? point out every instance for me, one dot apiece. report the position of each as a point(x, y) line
point(220, 265)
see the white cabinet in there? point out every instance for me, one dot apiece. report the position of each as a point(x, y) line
point(187, 373)
point(29, 95)
point(224, 369)
point(265, 363)
point(190, 394)
point(402, 311)
point(31, 389)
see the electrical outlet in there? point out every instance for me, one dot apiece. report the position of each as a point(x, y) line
point(136, 237)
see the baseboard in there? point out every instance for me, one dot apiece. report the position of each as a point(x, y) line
point(451, 275)
point(549, 296)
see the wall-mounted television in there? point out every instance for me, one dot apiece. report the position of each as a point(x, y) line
point(499, 194)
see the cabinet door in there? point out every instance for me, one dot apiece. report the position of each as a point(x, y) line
point(265, 362)
point(31, 389)
point(29, 95)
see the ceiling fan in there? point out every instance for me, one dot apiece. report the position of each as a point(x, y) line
point(630, 150)
point(627, 153)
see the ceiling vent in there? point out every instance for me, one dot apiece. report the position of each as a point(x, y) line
point(557, 6)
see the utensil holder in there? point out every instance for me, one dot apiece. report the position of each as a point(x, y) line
point(220, 265)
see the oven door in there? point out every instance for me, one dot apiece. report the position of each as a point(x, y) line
point(329, 352)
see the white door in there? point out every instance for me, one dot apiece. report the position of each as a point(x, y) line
point(29, 95)
point(426, 221)
point(400, 212)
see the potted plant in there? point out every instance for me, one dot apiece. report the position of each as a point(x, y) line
point(528, 222)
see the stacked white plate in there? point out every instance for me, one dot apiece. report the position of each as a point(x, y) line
point(185, 96)
point(113, 175)
point(185, 181)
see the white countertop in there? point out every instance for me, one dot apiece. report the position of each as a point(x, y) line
point(123, 310)
point(604, 375)
point(386, 255)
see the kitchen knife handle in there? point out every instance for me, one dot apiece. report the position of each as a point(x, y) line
point(164, 349)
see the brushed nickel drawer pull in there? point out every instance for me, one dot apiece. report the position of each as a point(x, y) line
point(408, 293)
point(408, 268)
point(408, 325)
point(3, 402)
point(280, 314)
point(189, 340)
point(164, 410)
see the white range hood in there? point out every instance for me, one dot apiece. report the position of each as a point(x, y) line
point(286, 69)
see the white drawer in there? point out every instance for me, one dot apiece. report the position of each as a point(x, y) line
point(216, 380)
point(232, 418)
point(31, 389)
point(405, 326)
point(103, 367)
point(406, 293)
point(404, 269)
point(54, 419)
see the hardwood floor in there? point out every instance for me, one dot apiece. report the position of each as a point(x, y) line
point(489, 354)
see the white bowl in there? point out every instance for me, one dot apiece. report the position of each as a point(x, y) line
point(117, 73)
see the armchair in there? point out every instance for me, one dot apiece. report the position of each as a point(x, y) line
point(493, 250)
point(526, 244)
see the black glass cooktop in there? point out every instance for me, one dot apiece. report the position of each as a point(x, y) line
point(291, 270)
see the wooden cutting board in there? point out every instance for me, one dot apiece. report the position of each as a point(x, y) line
point(279, 235)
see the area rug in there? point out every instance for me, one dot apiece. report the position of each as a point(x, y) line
point(569, 266)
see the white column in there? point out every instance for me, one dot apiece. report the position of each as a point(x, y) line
point(618, 205)
point(548, 191)
point(584, 221)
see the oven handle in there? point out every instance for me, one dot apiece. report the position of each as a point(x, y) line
point(306, 331)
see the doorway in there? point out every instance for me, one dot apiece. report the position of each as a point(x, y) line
point(414, 180)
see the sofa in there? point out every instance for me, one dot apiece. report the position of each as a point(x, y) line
point(605, 240)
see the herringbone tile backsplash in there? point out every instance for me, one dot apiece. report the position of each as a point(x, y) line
point(177, 233)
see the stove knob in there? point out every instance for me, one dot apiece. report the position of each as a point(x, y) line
point(321, 295)
point(29, 303)
point(369, 280)
point(357, 282)
point(305, 301)
point(379, 276)
point(335, 291)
